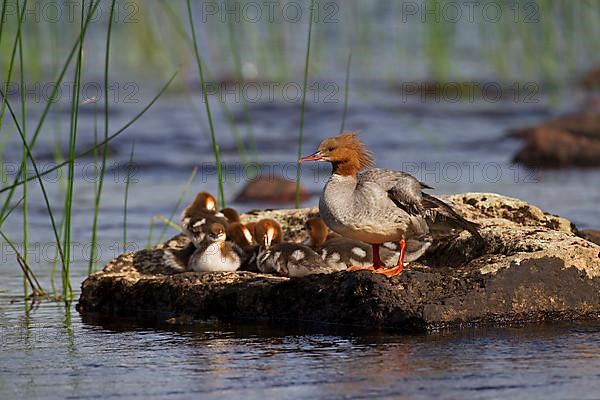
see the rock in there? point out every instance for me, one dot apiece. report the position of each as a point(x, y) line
point(532, 268)
point(554, 148)
point(569, 140)
point(270, 189)
point(591, 79)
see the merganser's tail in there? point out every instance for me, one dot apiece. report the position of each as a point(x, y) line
point(442, 214)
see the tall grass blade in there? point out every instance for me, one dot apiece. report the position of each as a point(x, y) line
point(66, 281)
point(303, 106)
point(215, 146)
point(186, 188)
point(127, 182)
point(24, 156)
point(51, 99)
point(105, 147)
point(38, 175)
point(237, 63)
point(84, 153)
point(346, 86)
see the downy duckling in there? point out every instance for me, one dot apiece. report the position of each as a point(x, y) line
point(287, 259)
point(215, 253)
point(197, 217)
point(338, 249)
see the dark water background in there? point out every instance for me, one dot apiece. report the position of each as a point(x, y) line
point(50, 351)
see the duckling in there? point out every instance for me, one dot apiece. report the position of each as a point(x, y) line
point(337, 252)
point(239, 234)
point(197, 217)
point(215, 253)
point(337, 249)
point(230, 214)
point(287, 259)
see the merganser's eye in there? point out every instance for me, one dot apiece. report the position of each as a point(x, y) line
point(330, 149)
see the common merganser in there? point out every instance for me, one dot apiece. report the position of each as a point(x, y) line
point(378, 205)
point(198, 215)
point(287, 259)
point(239, 234)
point(215, 253)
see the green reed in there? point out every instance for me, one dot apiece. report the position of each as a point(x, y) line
point(237, 63)
point(91, 149)
point(47, 107)
point(346, 87)
point(229, 117)
point(24, 153)
point(104, 148)
point(303, 106)
point(186, 188)
point(66, 282)
point(215, 146)
point(127, 183)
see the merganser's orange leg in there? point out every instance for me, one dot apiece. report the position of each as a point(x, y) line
point(377, 263)
point(389, 272)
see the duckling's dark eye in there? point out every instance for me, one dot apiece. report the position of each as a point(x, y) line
point(330, 149)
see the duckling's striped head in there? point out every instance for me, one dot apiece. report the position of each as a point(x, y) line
point(205, 201)
point(268, 232)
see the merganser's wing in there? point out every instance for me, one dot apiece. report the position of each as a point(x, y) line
point(407, 193)
point(402, 188)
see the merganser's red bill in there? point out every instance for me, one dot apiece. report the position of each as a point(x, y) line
point(316, 156)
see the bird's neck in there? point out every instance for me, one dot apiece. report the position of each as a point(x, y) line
point(347, 167)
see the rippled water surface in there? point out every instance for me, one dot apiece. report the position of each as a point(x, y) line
point(52, 354)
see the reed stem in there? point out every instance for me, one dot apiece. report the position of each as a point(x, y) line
point(215, 146)
point(105, 146)
point(303, 106)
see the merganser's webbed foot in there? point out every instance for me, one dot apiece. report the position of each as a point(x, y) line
point(389, 272)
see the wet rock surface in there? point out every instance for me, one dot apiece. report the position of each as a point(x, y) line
point(533, 267)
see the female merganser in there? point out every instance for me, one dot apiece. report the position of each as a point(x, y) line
point(287, 259)
point(378, 205)
point(216, 254)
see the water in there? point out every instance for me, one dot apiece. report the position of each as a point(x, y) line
point(53, 355)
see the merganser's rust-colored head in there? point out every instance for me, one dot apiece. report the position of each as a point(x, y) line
point(345, 152)
point(204, 201)
point(216, 233)
point(231, 214)
point(317, 230)
point(240, 234)
point(268, 232)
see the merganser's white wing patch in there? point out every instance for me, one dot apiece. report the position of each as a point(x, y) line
point(298, 255)
point(276, 256)
point(357, 251)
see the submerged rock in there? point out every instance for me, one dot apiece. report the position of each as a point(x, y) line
point(270, 189)
point(568, 141)
point(533, 267)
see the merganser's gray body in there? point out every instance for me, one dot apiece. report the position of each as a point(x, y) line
point(381, 205)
